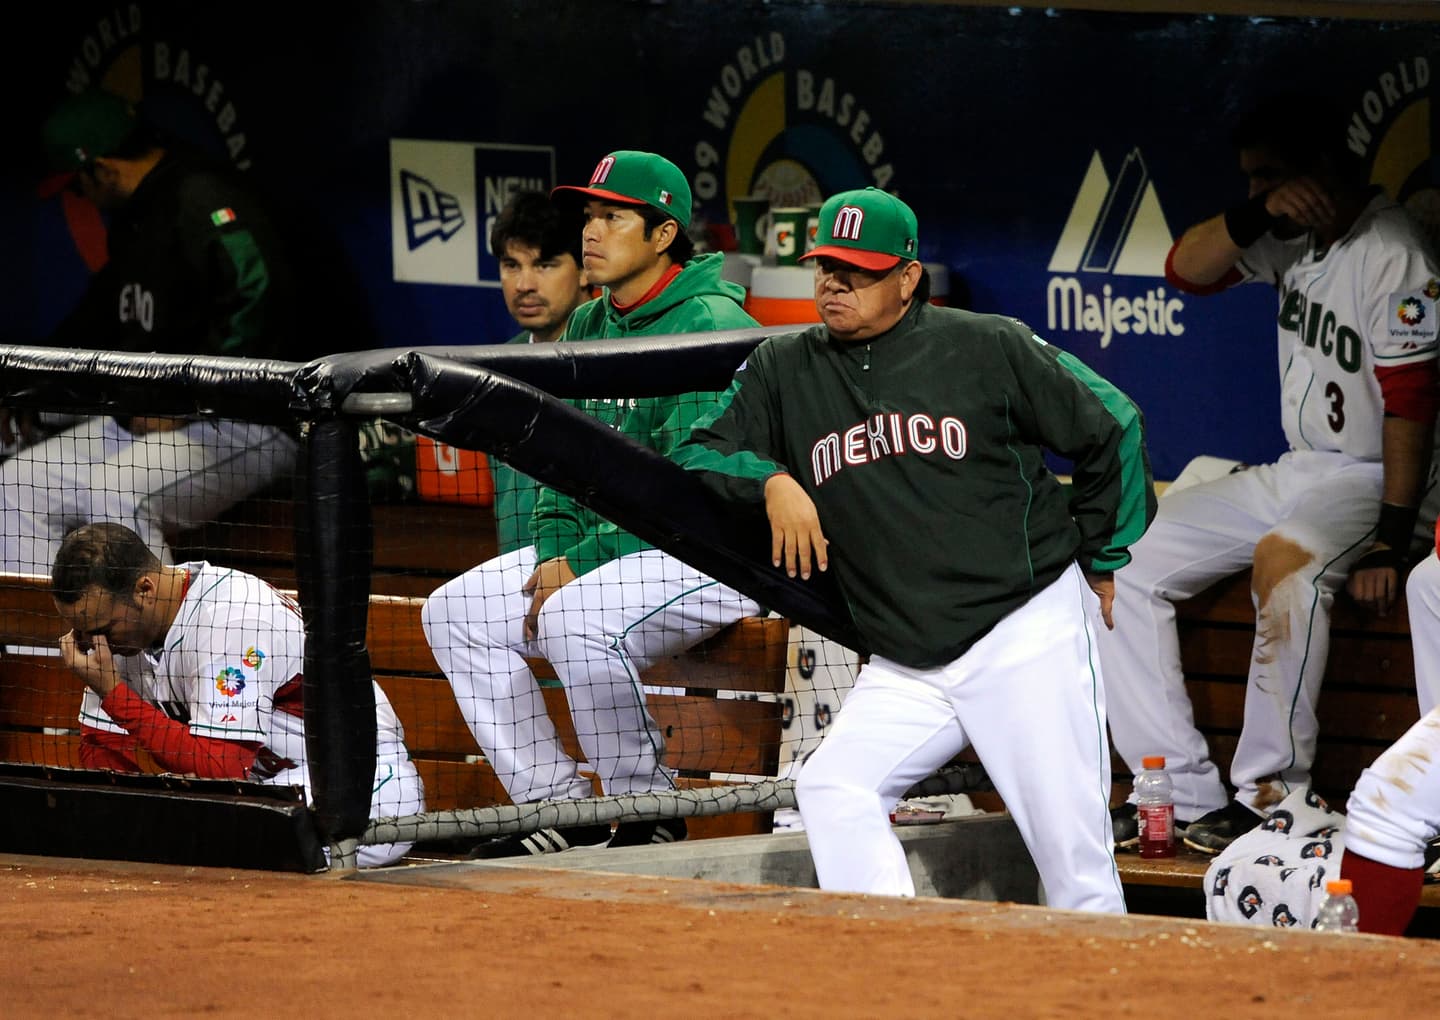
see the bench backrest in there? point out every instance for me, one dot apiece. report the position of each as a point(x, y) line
point(714, 726)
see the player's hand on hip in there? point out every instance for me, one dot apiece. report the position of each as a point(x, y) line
point(1103, 585)
point(1374, 581)
point(795, 536)
point(96, 666)
point(548, 578)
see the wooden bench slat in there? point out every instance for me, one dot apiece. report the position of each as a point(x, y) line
point(718, 734)
point(1379, 660)
point(441, 539)
point(27, 613)
point(37, 693)
point(62, 749)
point(426, 709)
point(747, 656)
point(1228, 601)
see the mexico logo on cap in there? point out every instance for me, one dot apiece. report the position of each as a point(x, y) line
point(666, 198)
point(848, 222)
point(602, 170)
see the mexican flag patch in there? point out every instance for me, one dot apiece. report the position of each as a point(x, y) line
point(220, 217)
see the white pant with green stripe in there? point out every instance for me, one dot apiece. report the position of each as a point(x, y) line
point(600, 632)
point(1325, 505)
point(1028, 696)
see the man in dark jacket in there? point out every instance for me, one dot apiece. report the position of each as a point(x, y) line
point(903, 445)
point(194, 267)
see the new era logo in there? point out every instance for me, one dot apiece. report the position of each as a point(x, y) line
point(429, 212)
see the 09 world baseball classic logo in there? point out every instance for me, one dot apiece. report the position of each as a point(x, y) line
point(792, 136)
point(182, 92)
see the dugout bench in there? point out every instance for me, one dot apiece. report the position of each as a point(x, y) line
point(717, 725)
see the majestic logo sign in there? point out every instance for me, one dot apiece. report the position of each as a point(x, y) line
point(444, 200)
point(1115, 231)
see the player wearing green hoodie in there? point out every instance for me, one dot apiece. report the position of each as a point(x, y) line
point(594, 600)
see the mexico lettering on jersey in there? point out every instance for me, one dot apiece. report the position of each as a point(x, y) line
point(886, 435)
point(1365, 305)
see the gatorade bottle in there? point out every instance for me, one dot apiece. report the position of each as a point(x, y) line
point(1338, 911)
point(1155, 804)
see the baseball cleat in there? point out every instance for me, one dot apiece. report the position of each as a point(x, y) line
point(671, 830)
point(542, 841)
point(1213, 832)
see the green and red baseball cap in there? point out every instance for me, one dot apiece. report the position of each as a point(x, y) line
point(84, 127)
point(868, 228)
point(638, 178)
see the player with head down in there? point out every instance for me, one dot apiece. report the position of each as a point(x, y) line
point(1356, 287)
point(200, 666)
point(902, 446)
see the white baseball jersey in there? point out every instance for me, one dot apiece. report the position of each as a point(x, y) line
point(230, 668)
point(1369, 303)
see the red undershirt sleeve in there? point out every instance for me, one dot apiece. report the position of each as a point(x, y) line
point(172, 743)
point(1410, 391)
point(101, 749)
point(1232, 276)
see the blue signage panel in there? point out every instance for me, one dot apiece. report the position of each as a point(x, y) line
point(1052, 156)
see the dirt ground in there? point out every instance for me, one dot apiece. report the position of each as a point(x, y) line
point(93, 939)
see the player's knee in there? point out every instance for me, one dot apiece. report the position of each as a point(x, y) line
point(435, 613)
point(823, 790)
point(1277, 559)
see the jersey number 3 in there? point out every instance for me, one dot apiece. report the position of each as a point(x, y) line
point(1336, 396)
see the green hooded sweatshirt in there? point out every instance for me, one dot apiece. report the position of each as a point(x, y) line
point(695, 301)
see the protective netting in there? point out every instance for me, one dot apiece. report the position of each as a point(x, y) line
point(684, 679)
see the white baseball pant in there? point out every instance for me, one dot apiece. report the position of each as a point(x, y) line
point(1422, 595)
point(98, 471)
point(1394, 810)
point(599, 632)
point(1029, 697)
point(1326, 504)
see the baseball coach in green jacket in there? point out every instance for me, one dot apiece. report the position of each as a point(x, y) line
point(902, 444)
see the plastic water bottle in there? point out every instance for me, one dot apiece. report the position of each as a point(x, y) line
point(1338, 911)
point(1155, 804)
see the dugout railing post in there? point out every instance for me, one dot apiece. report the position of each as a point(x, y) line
point(332, 560)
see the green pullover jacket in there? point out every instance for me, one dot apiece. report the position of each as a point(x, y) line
point(923, 450)
point(695, 301)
